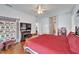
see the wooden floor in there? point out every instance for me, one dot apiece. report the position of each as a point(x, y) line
point(16, 49)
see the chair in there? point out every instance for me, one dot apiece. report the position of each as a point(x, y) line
point(62, 31)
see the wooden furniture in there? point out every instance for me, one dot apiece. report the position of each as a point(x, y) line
point(25, 29)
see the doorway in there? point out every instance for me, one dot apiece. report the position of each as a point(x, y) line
point(52, 25)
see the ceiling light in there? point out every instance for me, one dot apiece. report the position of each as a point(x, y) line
point(40, 9)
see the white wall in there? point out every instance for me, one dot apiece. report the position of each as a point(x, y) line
point(62, 19)
point(44, 24)
point(75, 20)
point(66, 19)
point(10, 12)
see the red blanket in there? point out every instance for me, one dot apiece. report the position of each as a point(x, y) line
point(49, 44)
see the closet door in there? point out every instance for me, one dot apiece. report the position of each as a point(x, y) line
point(52, 25)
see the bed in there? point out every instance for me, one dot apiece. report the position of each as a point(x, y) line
point(48, 44)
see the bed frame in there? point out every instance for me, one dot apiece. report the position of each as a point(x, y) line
point(27, 49)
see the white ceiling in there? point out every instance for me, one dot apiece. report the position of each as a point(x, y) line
point(51, 8)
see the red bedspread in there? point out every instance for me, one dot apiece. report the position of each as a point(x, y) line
point(49, 44)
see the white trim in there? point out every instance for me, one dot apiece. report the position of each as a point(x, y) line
point(30, 50)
